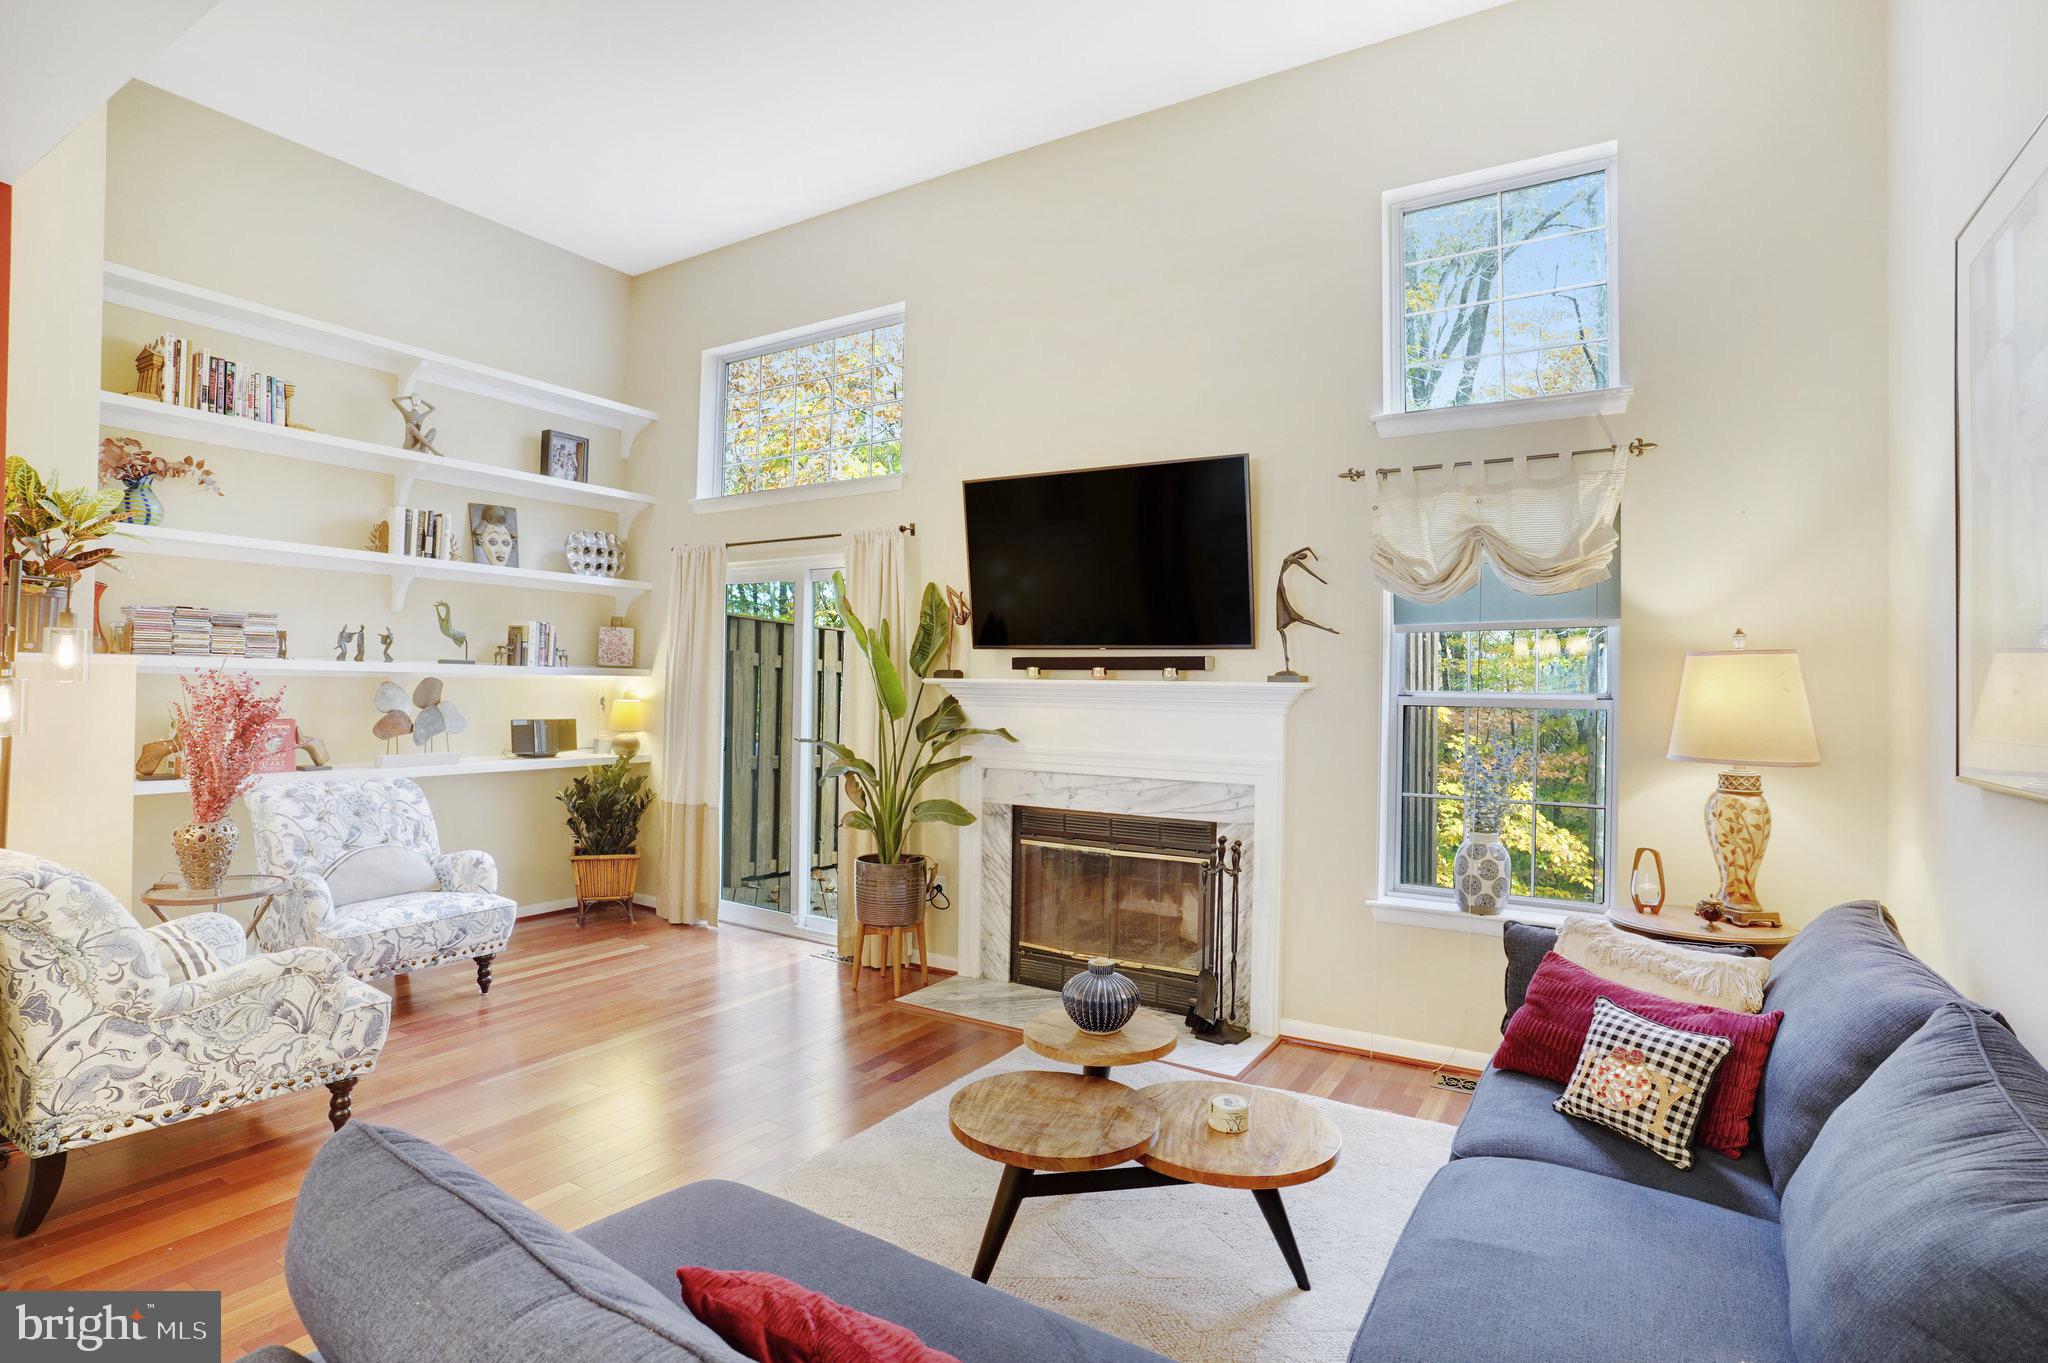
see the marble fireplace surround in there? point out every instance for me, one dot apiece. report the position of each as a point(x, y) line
point(1192, 749)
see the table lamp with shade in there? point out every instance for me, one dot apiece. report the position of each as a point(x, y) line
point(628, 714)
point(1740, 708)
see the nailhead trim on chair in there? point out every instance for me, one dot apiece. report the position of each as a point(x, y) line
point(421, 963)
point(87, 1136)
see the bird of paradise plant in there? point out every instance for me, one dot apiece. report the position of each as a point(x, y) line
point(910, 741)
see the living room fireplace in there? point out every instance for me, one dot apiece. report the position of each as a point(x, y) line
point(1127, 886)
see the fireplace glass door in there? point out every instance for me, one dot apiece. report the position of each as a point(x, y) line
point(1122, 886)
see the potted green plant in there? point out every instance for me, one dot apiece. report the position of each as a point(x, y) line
point(53, 537)
point(605, 805)
point(911, 743)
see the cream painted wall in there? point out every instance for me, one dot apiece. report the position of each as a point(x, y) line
point(1967, 88)
point(59, 804)
point(204, 199)
point(1205, 279)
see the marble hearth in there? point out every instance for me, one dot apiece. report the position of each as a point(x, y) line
point(1192, 749)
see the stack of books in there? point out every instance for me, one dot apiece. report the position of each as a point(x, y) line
point(190, 377)
point(149, 629)
point(260, 634)
point(419, 534)
point(227, 639)
point(530, 643)
point(191, 631)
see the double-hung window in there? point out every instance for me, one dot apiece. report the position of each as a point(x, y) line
point(1502, 301)
point(1502, 710)
point(819, 408)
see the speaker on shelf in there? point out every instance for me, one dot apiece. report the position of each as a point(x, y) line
point(542, 737)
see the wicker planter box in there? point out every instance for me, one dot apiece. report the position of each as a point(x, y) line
point(604, 880)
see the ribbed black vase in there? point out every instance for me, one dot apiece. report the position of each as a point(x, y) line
point(1098, 999)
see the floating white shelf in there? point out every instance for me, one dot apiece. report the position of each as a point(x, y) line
point(403, 467)
point(369, 669)
point(163, 541)
point(364, 771)
point(411, 365)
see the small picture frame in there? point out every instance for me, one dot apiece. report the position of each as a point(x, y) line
point(277, 747)
point(493, 535)
point(565, 456)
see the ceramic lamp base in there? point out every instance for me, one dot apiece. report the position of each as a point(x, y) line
point(1739, 830)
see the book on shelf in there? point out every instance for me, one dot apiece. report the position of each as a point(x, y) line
point(413, 533)
point(530, 643)
point(201, 632)
point(188, 376)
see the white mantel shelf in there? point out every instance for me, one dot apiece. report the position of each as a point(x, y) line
point(1120, 694)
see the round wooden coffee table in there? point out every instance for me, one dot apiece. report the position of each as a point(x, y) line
point(1058, 1134)
point(1147, 1036)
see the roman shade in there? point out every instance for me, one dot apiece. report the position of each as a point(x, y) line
point(1544, 526)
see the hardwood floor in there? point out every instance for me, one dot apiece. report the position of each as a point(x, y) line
point(607, 1064)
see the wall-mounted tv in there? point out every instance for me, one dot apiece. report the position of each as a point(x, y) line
point(1138, 556)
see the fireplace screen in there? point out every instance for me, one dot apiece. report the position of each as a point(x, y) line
point(1123, 886)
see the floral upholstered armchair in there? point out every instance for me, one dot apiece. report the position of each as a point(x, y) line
point(366, 879)
point(107, 1030)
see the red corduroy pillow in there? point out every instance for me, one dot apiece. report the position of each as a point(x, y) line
point(1548, 1031)
point(773, 1320)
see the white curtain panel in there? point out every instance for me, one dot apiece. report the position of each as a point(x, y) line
point(1547, 525)
point(874, 588)
point(692, 736)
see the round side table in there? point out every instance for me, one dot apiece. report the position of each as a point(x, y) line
point(1678, 924)
point(171, 892)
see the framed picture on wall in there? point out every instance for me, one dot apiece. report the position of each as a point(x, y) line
point(565, 456)
point(2001, 265)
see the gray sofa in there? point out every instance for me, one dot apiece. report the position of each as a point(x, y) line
point(1895, 1206)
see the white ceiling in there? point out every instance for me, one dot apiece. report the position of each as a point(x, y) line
point(60, 61)
point(638, 132)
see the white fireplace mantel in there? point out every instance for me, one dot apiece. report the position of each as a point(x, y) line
point(1225, 733)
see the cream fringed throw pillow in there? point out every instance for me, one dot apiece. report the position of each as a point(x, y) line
point(1735, 983)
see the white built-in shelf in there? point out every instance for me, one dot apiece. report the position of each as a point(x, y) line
point(364, 771)
point(369, 668)
point(403, 467)
point(163, 541)
point(411, 365)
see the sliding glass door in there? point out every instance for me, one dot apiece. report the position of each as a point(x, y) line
point(779, 859)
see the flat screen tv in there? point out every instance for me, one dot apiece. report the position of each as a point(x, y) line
point(1139, 556)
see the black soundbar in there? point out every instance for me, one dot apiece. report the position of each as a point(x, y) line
point(1102, 664)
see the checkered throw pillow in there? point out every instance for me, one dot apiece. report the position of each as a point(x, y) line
point(1644, 1080)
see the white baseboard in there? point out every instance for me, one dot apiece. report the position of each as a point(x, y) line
point(1378, 1043)
point(541, 906)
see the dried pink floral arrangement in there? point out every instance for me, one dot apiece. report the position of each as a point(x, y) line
point(220, 729)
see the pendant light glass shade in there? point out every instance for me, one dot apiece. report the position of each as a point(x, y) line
point(66, 649)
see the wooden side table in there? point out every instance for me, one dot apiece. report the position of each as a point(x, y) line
point(1678, 924)
point(1147, 1036)
point(171, 892)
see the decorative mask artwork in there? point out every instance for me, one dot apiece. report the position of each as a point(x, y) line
point(493, 535)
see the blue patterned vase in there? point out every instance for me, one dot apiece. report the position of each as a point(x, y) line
point(139, 505)
point(1098, 999)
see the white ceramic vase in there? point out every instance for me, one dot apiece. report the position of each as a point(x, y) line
point(1479, 872)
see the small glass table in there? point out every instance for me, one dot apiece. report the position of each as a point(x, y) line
point(171, 892)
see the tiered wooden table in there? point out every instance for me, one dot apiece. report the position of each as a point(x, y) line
point(1058, 1134)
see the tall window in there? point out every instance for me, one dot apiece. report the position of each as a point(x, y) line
point(807, 409)
point(1507, 725)
point(1502, 288)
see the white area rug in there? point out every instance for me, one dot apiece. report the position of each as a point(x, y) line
point(1192, 1272)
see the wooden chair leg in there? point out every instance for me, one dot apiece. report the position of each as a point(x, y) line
point(341, 1102)
point(924, 961)
point(483, 974)
point(45, 1175)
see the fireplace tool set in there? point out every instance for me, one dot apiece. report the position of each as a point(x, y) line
point(1212, 1017)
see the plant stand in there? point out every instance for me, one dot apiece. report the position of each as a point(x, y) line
point(897, 938)
point(604, 880)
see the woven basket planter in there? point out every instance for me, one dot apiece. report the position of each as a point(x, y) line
point(889, 895)
point(601, 880)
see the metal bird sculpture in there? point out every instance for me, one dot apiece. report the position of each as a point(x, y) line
point(1286, 617)
point(455, 636)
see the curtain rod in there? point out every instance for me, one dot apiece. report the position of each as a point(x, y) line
point(910, 529)
point(1638, 446)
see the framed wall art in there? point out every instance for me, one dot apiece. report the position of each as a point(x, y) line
point(2001, 277)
